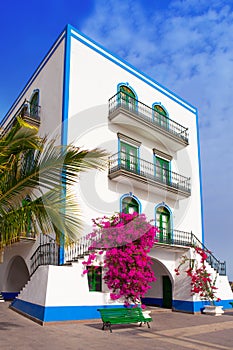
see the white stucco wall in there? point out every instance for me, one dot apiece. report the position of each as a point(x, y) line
point(93, 80)
point(48, 79)
point(62, 286)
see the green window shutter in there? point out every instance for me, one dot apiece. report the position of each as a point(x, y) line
point(94, 276)
point(130, 205)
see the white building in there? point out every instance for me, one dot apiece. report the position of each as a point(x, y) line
point(89, 96)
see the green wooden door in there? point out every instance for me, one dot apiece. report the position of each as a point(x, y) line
point(129, 160)
point(167, 292)
point(160, 117)
point(127, 97)
point(163, 224)
point(162, 171)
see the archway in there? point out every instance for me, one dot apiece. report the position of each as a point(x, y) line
point(161, 290)
point(17, 276)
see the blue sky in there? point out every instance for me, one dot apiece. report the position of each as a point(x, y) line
point(186, 45)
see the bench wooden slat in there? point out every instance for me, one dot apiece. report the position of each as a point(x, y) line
point(124, 315)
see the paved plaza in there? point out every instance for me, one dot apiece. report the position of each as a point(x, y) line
point(169, 331)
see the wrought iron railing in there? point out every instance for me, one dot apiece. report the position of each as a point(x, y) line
point(188, 239)
point(45, 254)
point(132, 164)
point(144, 112)
point(25, 110)
point(174, 238)
point(80, 248)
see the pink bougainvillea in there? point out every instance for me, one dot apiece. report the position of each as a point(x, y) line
point(127, 240)
point(201, 280)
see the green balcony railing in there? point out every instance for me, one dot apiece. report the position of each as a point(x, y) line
point(129, 163)
point(148, 114)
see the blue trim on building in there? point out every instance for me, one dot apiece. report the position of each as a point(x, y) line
point(136, 72)
point(58, 313)
point(65, 111)
point(9, 295)
point(196, 306)
point(152, 301)
point(132, 196)
point(200, 177)
point(34, 75)
point(184, 306)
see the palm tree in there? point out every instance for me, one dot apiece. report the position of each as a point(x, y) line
point(37, 181)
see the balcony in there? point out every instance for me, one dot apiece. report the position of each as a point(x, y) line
point(29, 112)
point(131, 113)
point(143, 174)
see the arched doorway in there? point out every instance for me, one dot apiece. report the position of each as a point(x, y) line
point(163, 222)
point(17, 276)
point(127, 97)
point(160, 116)
point(161, 290)
point(34, 105)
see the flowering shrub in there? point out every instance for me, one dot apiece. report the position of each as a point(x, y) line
point(127, 239)
point(201, 281)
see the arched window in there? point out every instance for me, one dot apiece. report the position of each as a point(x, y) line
point(127, 97)
point(34, 105)
point(160, 116)
point(130, 205)
point(163, 223)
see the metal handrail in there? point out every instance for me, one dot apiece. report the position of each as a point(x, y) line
point(188, 239)
point(127, 102)
point(173, 238)
point(122, 160)
point(45, 254)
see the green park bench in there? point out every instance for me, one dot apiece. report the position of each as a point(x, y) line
point(123, 315)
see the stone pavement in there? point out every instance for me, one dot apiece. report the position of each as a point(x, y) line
point(169, 331)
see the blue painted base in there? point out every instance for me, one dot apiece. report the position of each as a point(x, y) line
point(153, 301)
point(185, 306)
point(58, 313)
point(196, 306)
point(9, 295)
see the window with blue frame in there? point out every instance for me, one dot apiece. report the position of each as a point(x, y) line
point(160, 116)
point(163, 223)
point(127, 97)
point(129, 205)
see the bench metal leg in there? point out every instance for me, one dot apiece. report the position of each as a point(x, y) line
point(107, 324)
point(148, 325)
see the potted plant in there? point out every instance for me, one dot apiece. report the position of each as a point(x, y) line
point(202, 283)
